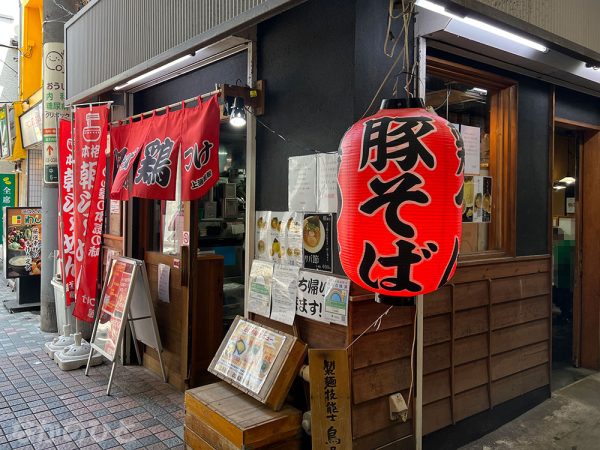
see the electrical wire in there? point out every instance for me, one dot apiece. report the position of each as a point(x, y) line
point(412, 360)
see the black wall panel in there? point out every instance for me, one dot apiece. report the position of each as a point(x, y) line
point(576, 106)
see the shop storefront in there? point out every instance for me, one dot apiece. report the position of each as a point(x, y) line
point(487, 335)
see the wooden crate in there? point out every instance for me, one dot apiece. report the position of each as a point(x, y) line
point(219, 416)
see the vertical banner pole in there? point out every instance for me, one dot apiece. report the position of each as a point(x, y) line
point(419, 375)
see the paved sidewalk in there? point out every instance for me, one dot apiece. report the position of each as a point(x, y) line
point(42, 407)
point(570, 420)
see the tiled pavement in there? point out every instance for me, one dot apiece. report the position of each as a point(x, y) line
point(42, 407)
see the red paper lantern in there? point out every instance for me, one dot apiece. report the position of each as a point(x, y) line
point(401, 182)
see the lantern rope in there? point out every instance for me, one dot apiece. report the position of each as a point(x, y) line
point(376, 323)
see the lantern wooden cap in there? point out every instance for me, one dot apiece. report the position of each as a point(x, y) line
point(400, 103)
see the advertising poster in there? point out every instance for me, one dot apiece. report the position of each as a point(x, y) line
point(285, 286)
point(259, 294)
point(23, 242)
point(249, 355)
point(113, 307)
point(302, 183)
point(279, 237)
point(8, 188)
point(477, 200)
point(317, 242)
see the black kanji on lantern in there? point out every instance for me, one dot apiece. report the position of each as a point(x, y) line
point(393, 194)
point(460, 154)
point(397, 139)
point(155, 165)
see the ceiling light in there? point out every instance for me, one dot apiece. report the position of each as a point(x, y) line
point(567, 180)
point(479, 90)
point(153, 72)
point(482, 25)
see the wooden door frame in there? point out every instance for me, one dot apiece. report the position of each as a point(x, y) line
point(588, 131)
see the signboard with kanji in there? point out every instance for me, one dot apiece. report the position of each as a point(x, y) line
point(330, 399)
point(54, 106)
point(8, 195)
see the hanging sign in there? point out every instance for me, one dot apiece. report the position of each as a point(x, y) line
point(90, 140)
point(317, 242)
point(401, 182)
point(66, 206)
point(54, 105)
point(8, 195)
point(330, 399)
point(200, 149)
point(23, 242)
point(125, 299)
point(156, 174)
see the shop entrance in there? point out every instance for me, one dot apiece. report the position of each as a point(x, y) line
point(575, 246)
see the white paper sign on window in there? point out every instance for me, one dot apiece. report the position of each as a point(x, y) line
point(285, 285)
point(302, 183)
point(259, 293)
point(323, 297)
point(472, 144)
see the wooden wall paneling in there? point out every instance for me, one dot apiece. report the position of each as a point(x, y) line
point(590, 283)
point(502, 268)
point(489, 343)
point(471, 321)
point(436, 386)
point(436, 415)
point(380, 380)
point(519, 311)
point(471, 402)
point(381, 439)
point(471, 375)
point(437, 302)
point(524, 286)
point(508, 363)
point(322, 335)
point(363, 314)
point(470, 348)
point(373, 416)
point(379, 347)
point(524, 334)
point(519, 384)
point(471, 295)
point(437, 357)
point(436, 329)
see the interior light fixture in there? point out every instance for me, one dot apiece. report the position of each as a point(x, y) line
point(567, 180)
point(152, 72)
point(237, 113)
point(479, 90)
point(440, 9)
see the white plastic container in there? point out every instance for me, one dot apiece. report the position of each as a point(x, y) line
point(64, 314)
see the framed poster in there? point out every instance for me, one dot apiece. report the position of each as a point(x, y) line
point(258, 360)
point(317, 242)
point(23, 242)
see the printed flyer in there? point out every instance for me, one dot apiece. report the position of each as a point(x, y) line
point(259, 294)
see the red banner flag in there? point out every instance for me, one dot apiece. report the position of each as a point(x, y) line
point(130, 143)
point(156, 173)
point(66, 203)
point(200, 149)
point(91, 124)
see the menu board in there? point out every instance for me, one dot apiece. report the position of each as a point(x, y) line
point(317, 242)
point(113, 307)
point(249, 355)
point(23, 242)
